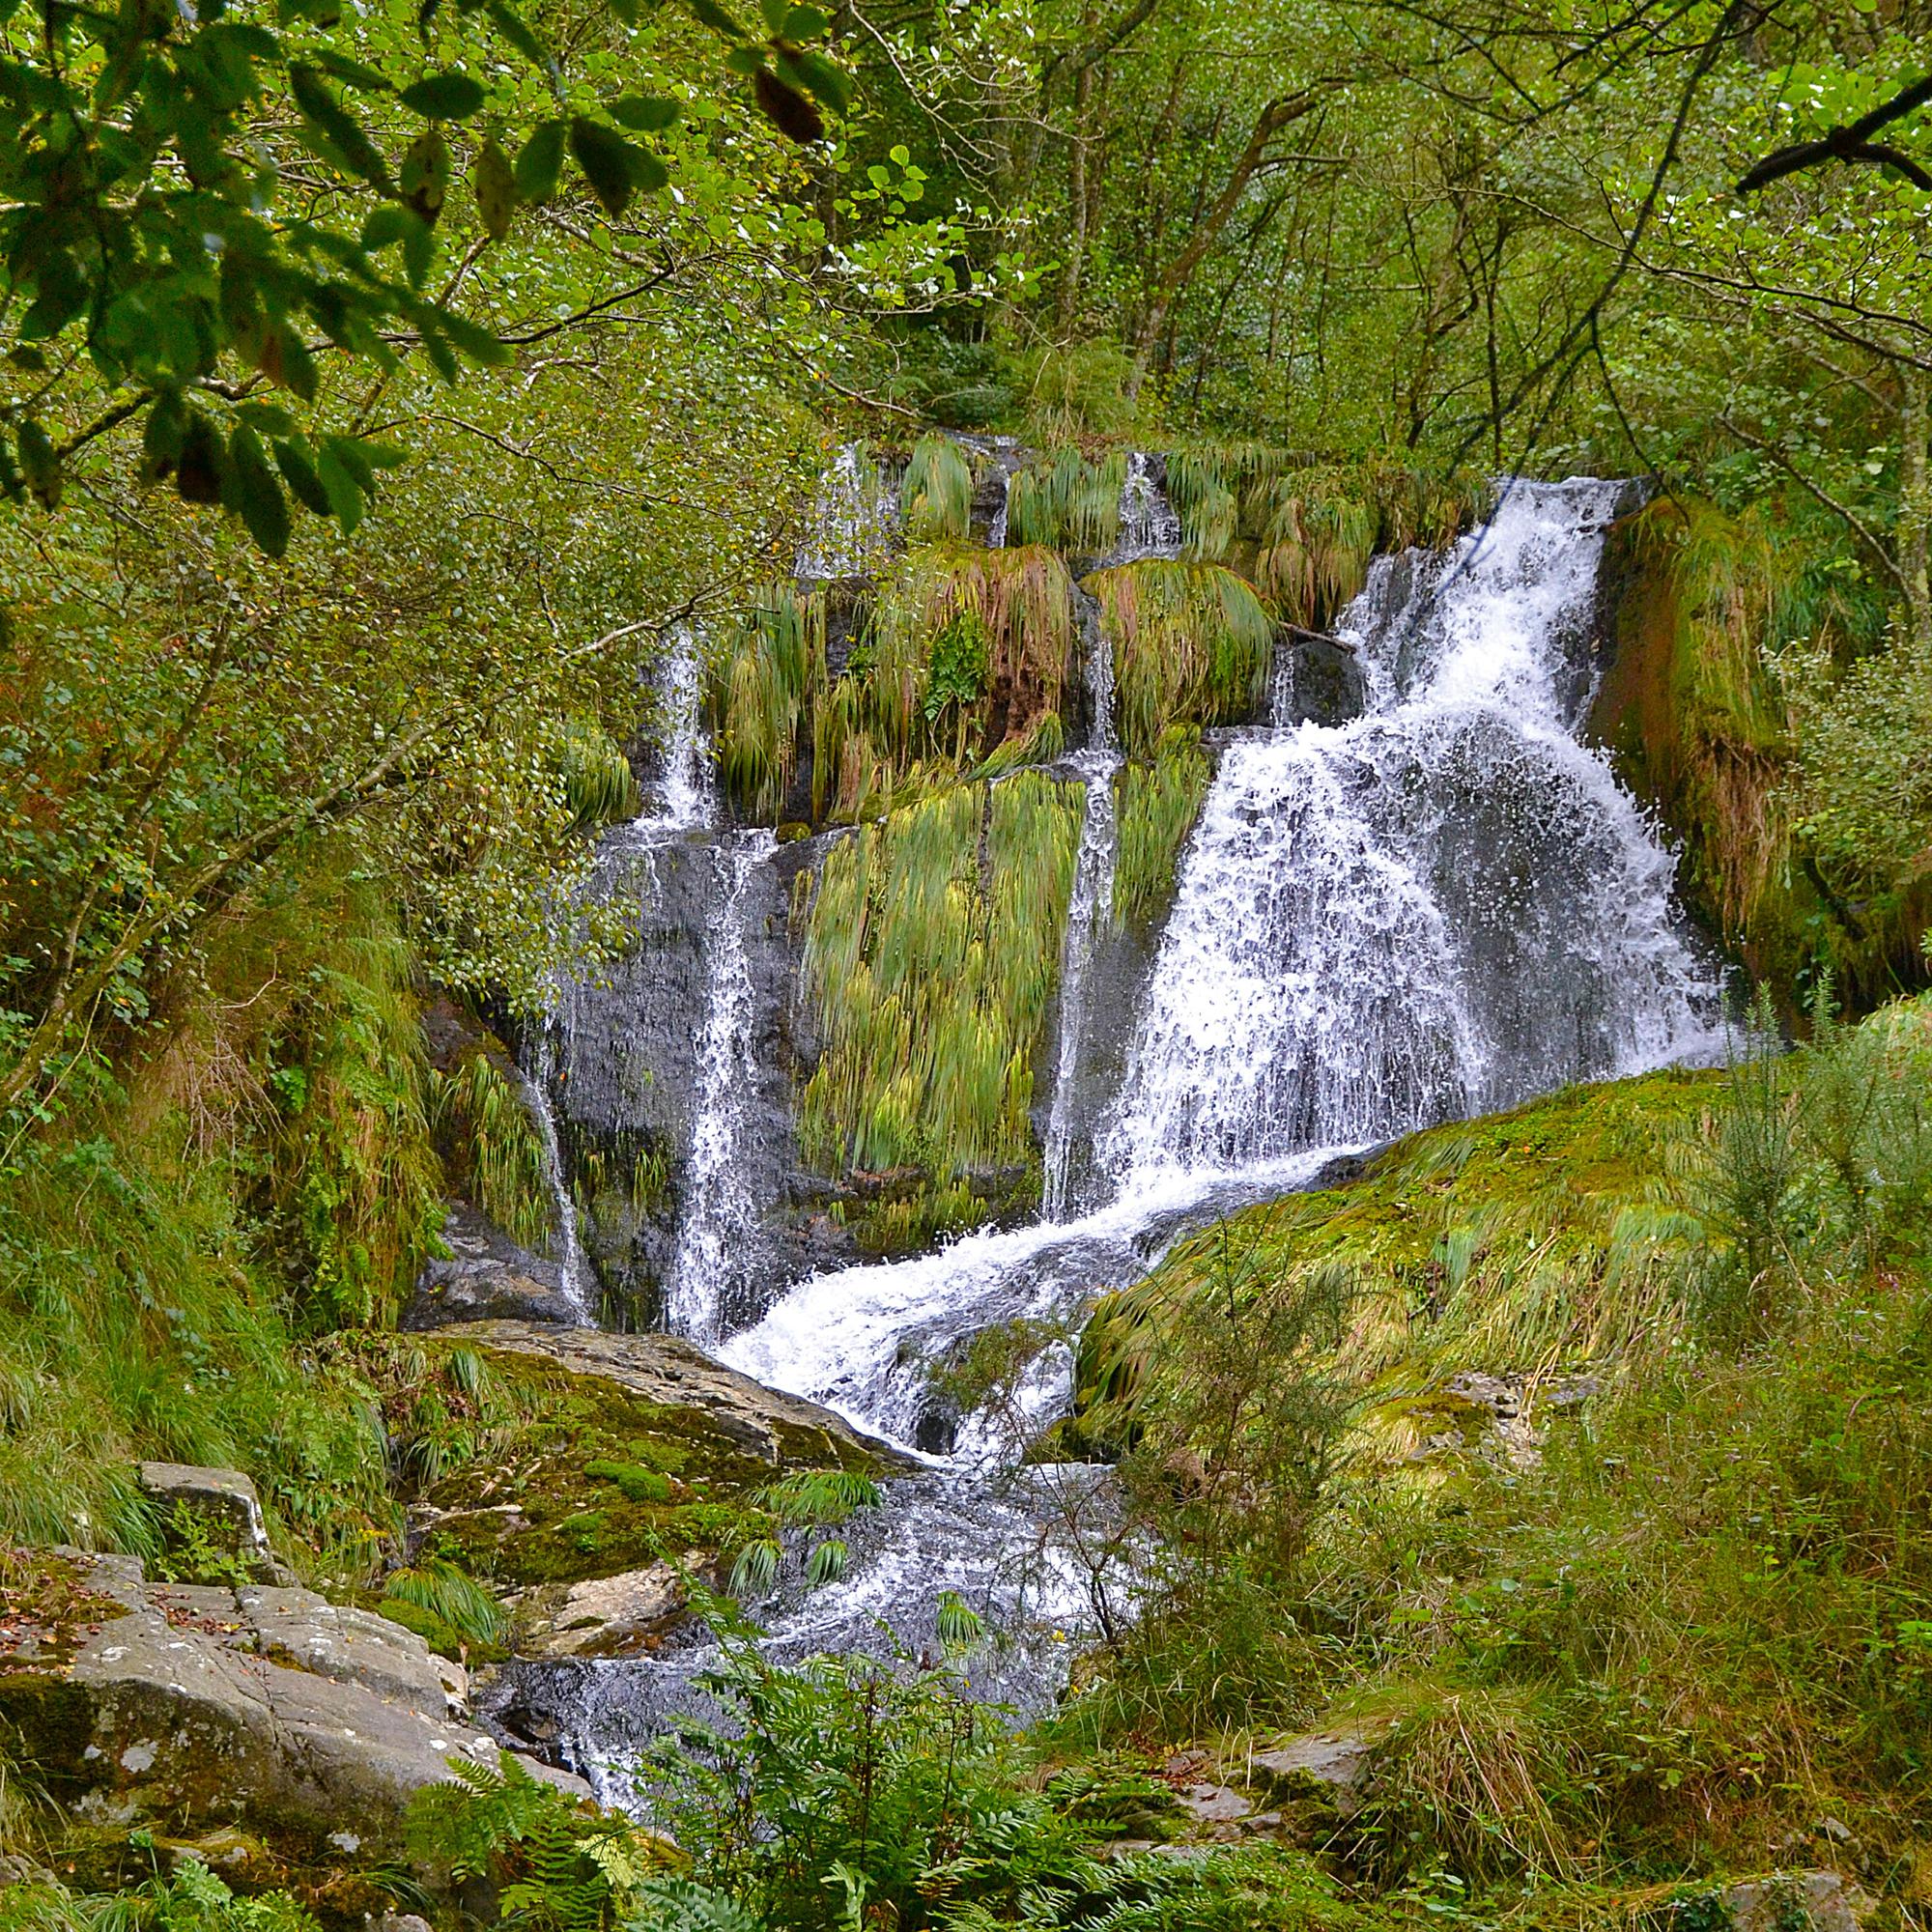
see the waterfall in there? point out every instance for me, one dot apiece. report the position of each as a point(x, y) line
point(855, 517)
point(1440, 908)
point(686, 793)
point(1150, 527)
point(1088, 910)
point(580, 1285)
point(995, 537)
point(719, 1212)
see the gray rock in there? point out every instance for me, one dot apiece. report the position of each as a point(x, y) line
point(601, 1617)
point(487, 1278)
point(1764, 1904)
point(219, 1505)
point(671, 1373)
point(1331, 1765)
point(1214, 1804)
point(259, 1709)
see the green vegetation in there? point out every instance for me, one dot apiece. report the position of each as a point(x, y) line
point(496, 1155)
point(771, 669)
point(936, 497)
point(1068, 502)
point(1157, 807)
point(934, 945)
point(1191, 643)
point(1576, 1455)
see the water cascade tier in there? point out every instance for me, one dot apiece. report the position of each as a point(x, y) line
point(1439, 908)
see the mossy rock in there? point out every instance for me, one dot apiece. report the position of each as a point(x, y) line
point(631, 1448)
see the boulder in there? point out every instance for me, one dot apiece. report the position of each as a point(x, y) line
point(673, 1374)
point(1328, 1766)
point(487, 1277)
point(631, 1449)
point(1818, 1899)
point(210, 1521)
point(601, 1617)
point(259, 1709)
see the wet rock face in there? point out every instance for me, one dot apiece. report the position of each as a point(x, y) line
point(626, 1069)
point(1320, 682)
point(487, 1278)
point(258, 1707)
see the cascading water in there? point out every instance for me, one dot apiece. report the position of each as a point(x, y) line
point(1444, 905)
point(1437, 909)
point(712, 1256)
point(580, 1286)
point(1148, 523)
point(856, 518)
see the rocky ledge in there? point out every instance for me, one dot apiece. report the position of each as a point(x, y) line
point(637, 1463)
point(297, 1726)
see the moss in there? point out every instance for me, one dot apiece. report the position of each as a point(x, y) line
point(583, 1477)
point(1547, 1236)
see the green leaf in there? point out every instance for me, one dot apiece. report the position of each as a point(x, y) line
point(254, 494)
point(510, 24)
point(344, 493)
point(643, 113)
point(162, 435)
point(297, 468)
point(775, 12)
point(426, 174)
point(202, 464)
point(803, 23)
point(353, 73)
point(40, 464)
point(285, 359)
point(494, 185)
point(827, 1563)
point(474, 340)
point(708, 14)
point(820, 77)
point(340, 135)
point(450, 96)
point(540, 161)
point(611, 164)
point(269, 417)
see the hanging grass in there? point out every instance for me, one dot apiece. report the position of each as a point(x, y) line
point(936, 497)
point(598, 783)
point(1209, 485)
point(932, 947)
point(1191, 642)
point(1068, 503)
point(964, 659)
point(1316, 549)
point(1158, 804)
point(772, 665)
point(497, 1158)
point(1040, 746)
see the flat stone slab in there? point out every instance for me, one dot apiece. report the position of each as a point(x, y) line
point(673, 1374)
point(264, 1707)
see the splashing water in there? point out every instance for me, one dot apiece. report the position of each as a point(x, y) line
point(1149, 526)
point(1089, 909)
point(580, 1285)
point(856, 518)
point(1438, 909)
